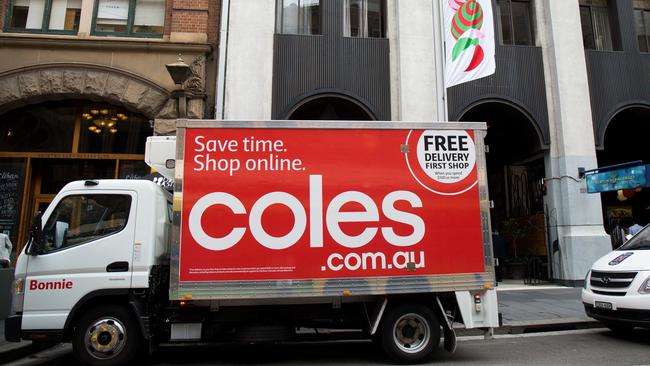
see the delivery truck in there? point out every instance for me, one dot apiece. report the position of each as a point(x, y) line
point(275, 231)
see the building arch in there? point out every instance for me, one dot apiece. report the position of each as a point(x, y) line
point(611, 116)
point(353, 105)
point(515, 169)
point(543, 139)
point(58, 81)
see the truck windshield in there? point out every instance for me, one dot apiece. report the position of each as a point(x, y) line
point(80, 219)
point(640, 241)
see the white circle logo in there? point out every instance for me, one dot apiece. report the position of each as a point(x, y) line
point(446, 156)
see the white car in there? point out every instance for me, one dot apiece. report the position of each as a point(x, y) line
point(617, 288)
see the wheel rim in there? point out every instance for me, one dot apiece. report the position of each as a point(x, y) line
point(411, 333)
point(105, 338)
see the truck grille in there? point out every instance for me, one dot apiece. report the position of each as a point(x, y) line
point(611, 279)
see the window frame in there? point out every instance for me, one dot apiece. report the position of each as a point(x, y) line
point(47, 10)
point(592, 19)
point(129, 23)
point(643, 11)
point(383, 8)
point(279, 19)
point(531, 19)
point(99, 193)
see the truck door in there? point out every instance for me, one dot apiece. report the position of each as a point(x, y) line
point(89, 247)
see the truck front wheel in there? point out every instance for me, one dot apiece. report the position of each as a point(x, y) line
point(410, 333)
point(106, 335)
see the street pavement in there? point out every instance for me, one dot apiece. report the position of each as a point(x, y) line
point(523, 309)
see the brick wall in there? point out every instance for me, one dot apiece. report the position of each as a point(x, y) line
point(214, 22)
point(189, 16)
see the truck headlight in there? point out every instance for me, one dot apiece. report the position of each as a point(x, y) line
point(645, 287)
point(19, 286)
point(584, 285)
point(18, 295)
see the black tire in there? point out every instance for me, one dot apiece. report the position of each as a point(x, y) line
point(410, 333)
point(106, 336)
point(620, 329)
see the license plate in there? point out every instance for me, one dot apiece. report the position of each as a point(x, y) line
point(603, 305)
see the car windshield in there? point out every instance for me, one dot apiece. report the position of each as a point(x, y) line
point(640, 241)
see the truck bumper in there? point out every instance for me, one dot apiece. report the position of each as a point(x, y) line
point(12, 328)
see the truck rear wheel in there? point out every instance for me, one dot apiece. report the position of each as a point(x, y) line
point(106, 335)
point(410, 333)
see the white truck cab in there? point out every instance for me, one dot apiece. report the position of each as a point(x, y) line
point(100, 242)
point(617, 288)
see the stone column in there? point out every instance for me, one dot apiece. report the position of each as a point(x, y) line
point(249, 79)
point(416, 94)
point(575, 215)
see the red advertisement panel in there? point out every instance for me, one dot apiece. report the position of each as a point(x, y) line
point(271, 204)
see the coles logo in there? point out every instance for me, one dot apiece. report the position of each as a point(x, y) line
point(36, 285)
point(334, 217)
point(444, 160)
point(271, 204)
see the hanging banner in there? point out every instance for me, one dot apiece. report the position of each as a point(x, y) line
point(469, 40)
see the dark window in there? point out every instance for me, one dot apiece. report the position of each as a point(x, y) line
point(141, 18)
point(363, 18)
point(642, 22)
point(596, 29)
point(59, 172)
point(52, 16)
point(83, 218)
point(515, 18)
point(50, 127)
point(47, 127)
point(298, 17)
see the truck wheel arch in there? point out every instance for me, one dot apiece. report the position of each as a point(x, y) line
point(106, 296)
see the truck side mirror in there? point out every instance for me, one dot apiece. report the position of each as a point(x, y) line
point(36, 237)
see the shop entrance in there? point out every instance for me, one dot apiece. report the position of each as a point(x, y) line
point(515, 164)
point(45, 146)
point(625, 140)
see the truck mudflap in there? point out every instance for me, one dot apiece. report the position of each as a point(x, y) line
point(447, 330)
point(12, 328)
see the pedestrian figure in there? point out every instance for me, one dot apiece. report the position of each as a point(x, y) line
point(635, 228)
point(5, 250)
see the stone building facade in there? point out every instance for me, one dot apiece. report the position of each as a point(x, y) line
point(67, 68)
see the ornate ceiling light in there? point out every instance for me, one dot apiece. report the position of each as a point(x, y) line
point(103, 119)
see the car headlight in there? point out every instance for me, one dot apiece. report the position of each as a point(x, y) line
point(645, 287)
point(584, 285)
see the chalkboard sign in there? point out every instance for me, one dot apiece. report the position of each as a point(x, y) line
point(10, 190)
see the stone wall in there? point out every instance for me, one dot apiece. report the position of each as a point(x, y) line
point(46, 82)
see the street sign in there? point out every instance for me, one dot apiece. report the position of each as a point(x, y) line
point(618, 179)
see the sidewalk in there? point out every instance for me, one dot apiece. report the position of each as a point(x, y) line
point(527, 307)
point(10, 350)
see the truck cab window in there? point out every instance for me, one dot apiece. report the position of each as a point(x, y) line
point(80, 219)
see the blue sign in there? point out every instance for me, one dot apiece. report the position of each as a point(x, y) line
point(614, 180)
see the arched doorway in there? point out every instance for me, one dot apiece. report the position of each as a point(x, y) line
point(44, 146)
point(515, 167)
point(625, 140)
point(332, 108)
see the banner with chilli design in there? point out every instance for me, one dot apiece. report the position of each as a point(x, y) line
point(469, 40)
